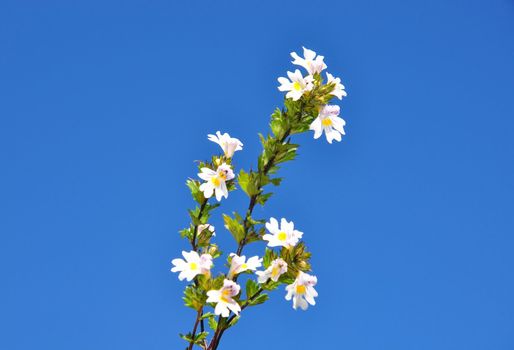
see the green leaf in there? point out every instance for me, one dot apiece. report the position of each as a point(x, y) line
point(199, 338)
point(234, 321)
point(204, 237)
point(276, 181)
point(269, 256)
point(194, 187)
point(270, 285)
point(263, 198)
point(207, 315)
point(248, 182)
point(213, 323)
point(297, 259)
point(259, 299)
point(187, 337)
point(234, 226)
point(251, 288)
point(194, 297)
point(187, 233)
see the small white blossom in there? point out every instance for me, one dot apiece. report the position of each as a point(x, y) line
point(223, 298)
point(276, 269)
point(329, 122)
point(202, 227)
point(310, 62)
point(215, 181)
point(240, 264)
point(296, 85)
point(338, 89)
point(228, 144)
point(302, 291)
point(192, 266)
point(283, 236)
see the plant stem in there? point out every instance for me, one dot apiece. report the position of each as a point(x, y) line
point(202, 208)
point(253, 200)
point(193, 245)
point(193, 333)
point(220, 329)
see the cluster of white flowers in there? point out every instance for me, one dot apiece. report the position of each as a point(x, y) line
point(279, 234)
point(297, 85)
point(215, 181)
point(284, 235)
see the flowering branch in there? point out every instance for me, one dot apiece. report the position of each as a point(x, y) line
point(305, 107)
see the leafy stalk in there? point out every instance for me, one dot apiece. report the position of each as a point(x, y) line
point(294, 118)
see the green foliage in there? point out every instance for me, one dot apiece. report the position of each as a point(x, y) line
point(261, 298)
point(297, 259)
point(248, 182)
point(214, 251)
point(295, 117)
point(233, 321)
point(187, 233)
point(210, 283)
point(197, 339)
point(235, 226)
point(268, 257)
point(251, 288)
point(194, 297)
point(254, 295)
point(204, 237)
point(270, 285)
point(194, 187)
point(213, 324)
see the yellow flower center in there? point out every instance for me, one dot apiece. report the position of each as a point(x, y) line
point(282, 236)
point(297, 86)
point(215, 181)
point(193, 266)
point(326, 122)
point(225, 295)
point(244, 267)
point(275, 271)
point(300, 289)
point(222, 175)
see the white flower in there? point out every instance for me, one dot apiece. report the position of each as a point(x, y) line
point(193, 265)
point(329, 122)
point(310, 62)
point(216, 181)
point(203, 227)
point(240, 264)
point(228, 144)
point(338, 89)
point(223, 298)
point(285, 235)
point(297, 86)
point(302, 291)
point(276, 269)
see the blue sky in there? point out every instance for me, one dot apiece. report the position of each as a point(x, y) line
point(105, 105)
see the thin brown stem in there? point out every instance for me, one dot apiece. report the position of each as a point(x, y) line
point(195, 228)
point(193, 333)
